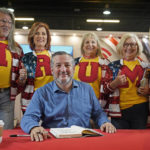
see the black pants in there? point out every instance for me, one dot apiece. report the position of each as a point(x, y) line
point(134, 117)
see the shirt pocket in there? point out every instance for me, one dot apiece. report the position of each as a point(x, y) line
point(81, 107)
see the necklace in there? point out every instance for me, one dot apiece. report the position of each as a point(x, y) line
point(38, 50)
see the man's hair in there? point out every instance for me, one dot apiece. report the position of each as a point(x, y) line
point(61, 53)
point(11, 42)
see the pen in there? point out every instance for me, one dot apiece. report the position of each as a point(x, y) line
point(17, 135)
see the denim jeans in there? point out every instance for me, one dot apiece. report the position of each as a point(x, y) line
point(7, 109)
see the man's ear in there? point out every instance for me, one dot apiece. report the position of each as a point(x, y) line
point(74, 67)
point(52, 71)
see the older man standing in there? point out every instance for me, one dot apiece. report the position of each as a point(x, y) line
point(63, 102)
point(11, 74)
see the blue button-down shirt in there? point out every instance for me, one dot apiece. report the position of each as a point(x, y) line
point(57, 108)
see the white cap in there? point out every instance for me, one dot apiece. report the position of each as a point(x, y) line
point(1, 122)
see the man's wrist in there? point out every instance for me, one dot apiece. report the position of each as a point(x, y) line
point(33, 128)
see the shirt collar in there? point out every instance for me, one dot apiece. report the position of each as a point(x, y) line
point(57, 89)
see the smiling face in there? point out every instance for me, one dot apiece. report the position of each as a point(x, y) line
point(62, 70)
point(90, 47)
point(5, 25)
point(130, 49)
point(40, 38)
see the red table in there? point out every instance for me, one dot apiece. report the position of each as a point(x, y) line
point(122, 140)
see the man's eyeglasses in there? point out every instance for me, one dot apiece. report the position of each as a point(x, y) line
point(132, 45)
point(5, 21)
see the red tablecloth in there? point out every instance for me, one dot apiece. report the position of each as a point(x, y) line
point(122, 140)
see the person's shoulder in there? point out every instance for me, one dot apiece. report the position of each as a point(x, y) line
point(49, 85)
point(115, 62)
point(115, 65)
point(103, 61)
point(143, 63)
point(76, 60)
point(46, 88)
point(29, 55)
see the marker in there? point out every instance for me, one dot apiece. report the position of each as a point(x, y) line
point(17, 135)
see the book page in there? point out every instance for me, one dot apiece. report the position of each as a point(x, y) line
point(65, 132)
point(82, 129)
point(78, 128)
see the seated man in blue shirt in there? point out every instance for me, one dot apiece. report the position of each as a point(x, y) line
point(63, 102)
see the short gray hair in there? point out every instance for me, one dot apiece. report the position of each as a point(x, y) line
point(124, 38)
point(61, 53)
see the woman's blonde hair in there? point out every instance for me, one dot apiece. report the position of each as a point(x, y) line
point(122, 41)
point(95, 37)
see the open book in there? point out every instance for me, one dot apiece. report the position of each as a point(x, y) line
point(73, 132)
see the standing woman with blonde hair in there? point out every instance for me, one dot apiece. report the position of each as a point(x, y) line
point(127, 104)
point(37, 62)
point(91, 66)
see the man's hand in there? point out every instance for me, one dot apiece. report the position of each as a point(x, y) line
point(39, 134)
point(108, 128)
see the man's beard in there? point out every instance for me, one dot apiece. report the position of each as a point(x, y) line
point(63, 83)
